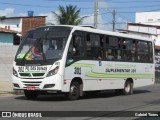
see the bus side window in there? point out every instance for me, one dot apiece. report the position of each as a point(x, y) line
point(75, 50)
point(119, 56)
point(76, 45)
point(127, 49)
point(88, 46)
point(101, 48)
point(150, 52)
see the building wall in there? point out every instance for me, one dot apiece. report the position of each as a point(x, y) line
point(14, 24)
point(144, 31)
point(7, 54)
point(6, 38)
point(32, 22)
point(151, 18)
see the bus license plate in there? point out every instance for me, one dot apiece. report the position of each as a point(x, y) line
point(31, 88)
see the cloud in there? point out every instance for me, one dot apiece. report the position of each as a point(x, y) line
point(23, 14)
point(102, 4)
point(90, 21)
point(50, 19)
point(7, 12)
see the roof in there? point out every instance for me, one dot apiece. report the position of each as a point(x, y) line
point(126, 31)
point(7, 30)
point(98, 31)
point(144, 25)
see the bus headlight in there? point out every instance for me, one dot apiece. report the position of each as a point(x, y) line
point(15, 72)
point(53, 71)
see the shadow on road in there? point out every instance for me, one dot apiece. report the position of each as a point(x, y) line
point(141, 91)
point(61, 97)
point(44, 98)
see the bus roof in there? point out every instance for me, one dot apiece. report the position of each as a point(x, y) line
point(93, 30)
point(89, 29)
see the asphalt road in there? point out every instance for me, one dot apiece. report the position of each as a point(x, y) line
point(144, 100)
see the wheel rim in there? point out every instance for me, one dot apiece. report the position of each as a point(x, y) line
point(127, 88)
point(74, 90)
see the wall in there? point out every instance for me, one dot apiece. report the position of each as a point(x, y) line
point(14, 23)
point(7, 54)
point(6, 38)
point(151, 18)
point(31, 22)
point(151, 32)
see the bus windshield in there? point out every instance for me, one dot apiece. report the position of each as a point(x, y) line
point(43, 44)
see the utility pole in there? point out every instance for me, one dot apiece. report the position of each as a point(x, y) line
point(113, 21)
point(95, 13)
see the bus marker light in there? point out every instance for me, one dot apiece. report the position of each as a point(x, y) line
point(65, 82)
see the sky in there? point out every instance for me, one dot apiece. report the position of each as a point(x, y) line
point(125, 10)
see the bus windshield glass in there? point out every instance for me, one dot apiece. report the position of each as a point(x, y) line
point(43, 44)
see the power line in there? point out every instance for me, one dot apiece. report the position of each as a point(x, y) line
point(130, 7)
point(17, 4)
point(29, 5)
point(133, 1)
point(100, 1)
point(68, 1)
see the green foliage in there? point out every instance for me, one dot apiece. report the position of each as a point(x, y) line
point(68, 15)
point(2, 17)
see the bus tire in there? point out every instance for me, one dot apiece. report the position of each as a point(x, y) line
point(30, 94)
point(128, 88)
point(74, 91)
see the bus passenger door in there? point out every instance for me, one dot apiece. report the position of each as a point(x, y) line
point(76, 50)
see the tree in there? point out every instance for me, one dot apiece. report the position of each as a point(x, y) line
point(69, 15)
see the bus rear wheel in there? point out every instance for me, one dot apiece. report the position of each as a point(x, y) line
point(74, 91)
point(30, 94)
point(128, 88)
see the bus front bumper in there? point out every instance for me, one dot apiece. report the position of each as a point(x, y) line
point(53, 83)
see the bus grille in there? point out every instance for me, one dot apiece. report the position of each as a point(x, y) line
point(37, 74)
point(31, 74)
point(33, 83)
point(25, 74)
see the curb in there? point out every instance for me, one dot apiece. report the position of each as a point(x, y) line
point(18, 92)
point(14, 92)
point(6, 88)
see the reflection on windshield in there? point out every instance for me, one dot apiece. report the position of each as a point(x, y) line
point(40, 44)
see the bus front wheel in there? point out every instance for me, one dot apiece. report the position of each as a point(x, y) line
point(31, 94)
point(74, 91)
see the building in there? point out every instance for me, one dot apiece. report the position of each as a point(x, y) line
point(148, 18)
point(147, 25)
point(12, 29)
point(7, 36)
point(21, 24)
point(144, 30)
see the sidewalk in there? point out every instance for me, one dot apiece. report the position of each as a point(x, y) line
point(6, 88)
